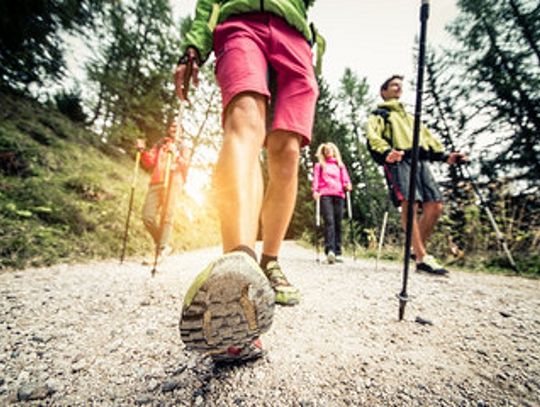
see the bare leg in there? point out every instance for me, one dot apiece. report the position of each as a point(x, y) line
point(278, 206)
point(417, 243)
point(238, 177)
point(431, 213)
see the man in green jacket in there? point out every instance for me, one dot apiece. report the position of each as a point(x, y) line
point(231, 302)
point(390, 135)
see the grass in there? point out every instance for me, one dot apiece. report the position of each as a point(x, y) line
point(64, 194)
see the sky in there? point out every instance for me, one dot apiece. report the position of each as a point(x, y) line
point(375, 38)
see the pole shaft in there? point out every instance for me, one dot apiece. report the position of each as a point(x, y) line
point(130, 205)
point(424, 14)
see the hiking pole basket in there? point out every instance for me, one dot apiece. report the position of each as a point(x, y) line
point(130, 205)
point(424, 15)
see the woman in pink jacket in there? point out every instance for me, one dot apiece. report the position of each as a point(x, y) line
point(330, 181)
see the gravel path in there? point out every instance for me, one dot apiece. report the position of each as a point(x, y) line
point(106, 334)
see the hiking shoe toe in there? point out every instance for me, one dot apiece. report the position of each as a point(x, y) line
point(331, 257)
point(285, 292)
point(230, 303)
point(430, 265)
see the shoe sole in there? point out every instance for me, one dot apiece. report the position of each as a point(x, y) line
point(232, 304)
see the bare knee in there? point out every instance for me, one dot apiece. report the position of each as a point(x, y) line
point(434, 209)
point(245, 115)
point(283, 155)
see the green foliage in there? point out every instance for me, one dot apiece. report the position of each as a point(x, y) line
point(500, 54)
point(31, 48)
point(70, 104)
point(131, 75)
point(67, 200)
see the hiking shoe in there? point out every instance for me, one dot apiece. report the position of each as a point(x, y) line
point(331, 257)
point(339, 258)
point(230, 303)
point(239, 354)
point(165, 251)
point(286, 293)
point(430, 265)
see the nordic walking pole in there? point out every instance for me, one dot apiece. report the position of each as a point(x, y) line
point(351, 228)
point(317, 228)
point(424, 15)
point(167, 183)
point(381, 240)
point(130, 206)
point(498, 234)
point(483, 204)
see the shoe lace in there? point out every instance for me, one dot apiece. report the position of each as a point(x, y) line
point(275, 274)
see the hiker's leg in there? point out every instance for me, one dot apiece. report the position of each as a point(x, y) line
point(283, 150)
point(150, 211)
point(238, 178)
point(431, 212)
point(338, 218)
point(174, 195)
point(327, 210)
point(417, 244)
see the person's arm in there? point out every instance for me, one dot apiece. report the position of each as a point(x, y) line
point(148, 157)
point(379, 148)
point(437, 151)
point(197, 46)
point(200, 37)
point(345, 179)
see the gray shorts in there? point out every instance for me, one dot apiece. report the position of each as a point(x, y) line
point(397, 178)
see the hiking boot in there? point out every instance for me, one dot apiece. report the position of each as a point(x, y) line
point(165, 251)
point(430, 265)
point(331, 257)
point(239, 354)
point(230, 304)
point(339, 258)
point(286, 293)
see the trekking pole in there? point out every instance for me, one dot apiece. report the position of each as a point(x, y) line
point(500, 237)
point(167, 182)
point(424, 15)
point(351, 228)
point(381, 240)
point(498, 234)
point(130, 205)
point(317, 228)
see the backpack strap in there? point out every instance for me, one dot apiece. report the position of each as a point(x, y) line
point(386, 134)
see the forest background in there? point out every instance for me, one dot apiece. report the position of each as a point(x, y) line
point(67, 156)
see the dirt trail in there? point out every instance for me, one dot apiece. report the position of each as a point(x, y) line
point(105, 334)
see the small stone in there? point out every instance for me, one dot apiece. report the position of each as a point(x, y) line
point(144, 399)
point(169, 385)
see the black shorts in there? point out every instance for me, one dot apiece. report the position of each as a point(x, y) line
point(397, 178)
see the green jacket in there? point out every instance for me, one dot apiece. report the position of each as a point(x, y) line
point(396, 132)
point(209, 13)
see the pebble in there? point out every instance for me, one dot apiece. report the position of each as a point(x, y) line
point(106, 334)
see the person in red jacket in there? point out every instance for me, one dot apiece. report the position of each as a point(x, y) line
point(155, 159)
point(330, 181)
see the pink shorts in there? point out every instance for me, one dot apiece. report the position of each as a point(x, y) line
point(246, 46)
